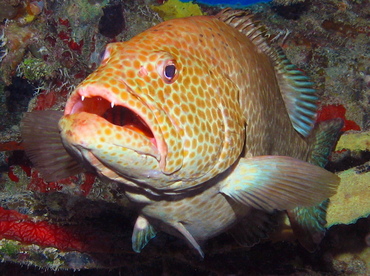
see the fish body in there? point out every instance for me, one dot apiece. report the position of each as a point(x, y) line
point(204, 124)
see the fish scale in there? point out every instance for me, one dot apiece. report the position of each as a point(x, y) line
point(217, 128)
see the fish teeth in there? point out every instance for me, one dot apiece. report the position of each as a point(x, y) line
point(112, 104)
point(82, 98)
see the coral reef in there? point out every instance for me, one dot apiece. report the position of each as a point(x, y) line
point(177, 9)
point(112, 22)
point(226, 3)
point(352, 199)
point(286, 2)
point(354, 141)
point(327, 112)
point(55, 51)
point(17, 39)
point(48, 47)
point(332, 46)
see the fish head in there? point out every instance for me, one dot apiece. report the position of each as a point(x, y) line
point(152, 114)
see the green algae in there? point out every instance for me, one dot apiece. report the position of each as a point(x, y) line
point(33, 69)
point(9, 248)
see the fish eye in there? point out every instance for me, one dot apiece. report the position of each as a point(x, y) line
point(168, 71)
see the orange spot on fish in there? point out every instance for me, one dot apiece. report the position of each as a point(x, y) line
point(108, 131)
point(130, 74)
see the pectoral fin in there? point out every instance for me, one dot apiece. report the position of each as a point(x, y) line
point(142, 234)
point(44, 147)
point(279, 182)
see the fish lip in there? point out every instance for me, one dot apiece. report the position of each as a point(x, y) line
point(75, 104)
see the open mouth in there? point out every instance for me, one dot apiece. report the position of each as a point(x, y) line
point(115, 114)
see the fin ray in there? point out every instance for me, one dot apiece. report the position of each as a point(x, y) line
point(142, 234)
point(323, 140)
point(44, 147)
point(296, 88)
point(298, 93)
point(279, 183)
point(308, 223)
point(181, 228)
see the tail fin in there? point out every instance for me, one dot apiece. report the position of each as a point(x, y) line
point(308, 223)
point(324, 137)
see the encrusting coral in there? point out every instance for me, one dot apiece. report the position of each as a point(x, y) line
point(286, 2)
point(176, 9)
point(352, 199)
point(354, 141)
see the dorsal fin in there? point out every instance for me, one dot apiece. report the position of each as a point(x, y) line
point(298, 93)
point(296, 88)
point(245, 23)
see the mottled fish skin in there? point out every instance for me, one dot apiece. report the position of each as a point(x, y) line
point(199, 97)
point(198, 119)
point(197, 124)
